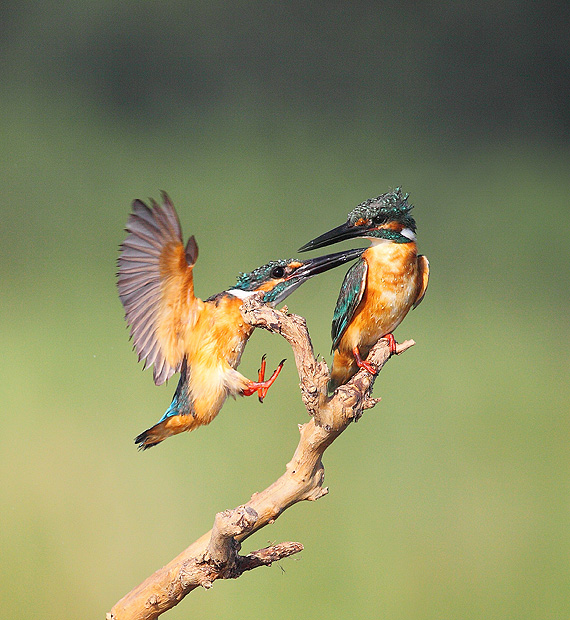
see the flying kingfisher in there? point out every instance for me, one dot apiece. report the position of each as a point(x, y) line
point(378, 290)
point(178, 332)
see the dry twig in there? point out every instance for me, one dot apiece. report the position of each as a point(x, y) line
point(215, 554)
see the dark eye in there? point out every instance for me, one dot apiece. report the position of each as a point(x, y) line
point(278, 272)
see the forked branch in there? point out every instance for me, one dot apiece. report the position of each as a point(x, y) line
point(215, 554)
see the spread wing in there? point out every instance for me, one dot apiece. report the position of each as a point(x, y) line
point(423, 266)
point(351, 293)
point(156, 285)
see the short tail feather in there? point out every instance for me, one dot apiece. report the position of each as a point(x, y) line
point(164, 429)
point(179, 416)
point(147, 439)
point(343, 369)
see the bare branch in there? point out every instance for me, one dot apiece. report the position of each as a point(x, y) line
point(215, 554)
point(268, 555)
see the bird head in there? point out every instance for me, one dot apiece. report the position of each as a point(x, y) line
point(279, 278)
point(385, 218)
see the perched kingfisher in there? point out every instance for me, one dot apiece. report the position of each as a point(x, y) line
point(378, 290)
point(178, 332)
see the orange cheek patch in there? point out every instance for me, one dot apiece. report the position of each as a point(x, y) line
point(266, 286)
point(360, 222)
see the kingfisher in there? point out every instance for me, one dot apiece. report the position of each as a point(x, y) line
point(379, 290)
point(176, 331)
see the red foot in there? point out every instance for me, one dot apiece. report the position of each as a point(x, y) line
point(261, 371)
point(392, 342)
point(363, 364)
point(261, 394)
point(261, 386)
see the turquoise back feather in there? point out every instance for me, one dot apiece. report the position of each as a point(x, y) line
point(351, 292)
point(181, 404)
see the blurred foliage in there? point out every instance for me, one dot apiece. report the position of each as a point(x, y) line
point(266, 123)
point(461, 66)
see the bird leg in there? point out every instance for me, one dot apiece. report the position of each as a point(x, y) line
point(262, 386)
point(362, 363)
point(261, 378)
point(391, 342)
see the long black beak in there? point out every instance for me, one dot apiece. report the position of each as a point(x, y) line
point(340, 233)
point(308, 269)
point(314, 266)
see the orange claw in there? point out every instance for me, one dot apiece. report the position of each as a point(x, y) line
point(262, 386)
point(363, 364)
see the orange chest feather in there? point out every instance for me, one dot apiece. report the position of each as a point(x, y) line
point(391, 290)
point(392, 276)
point(220, 333)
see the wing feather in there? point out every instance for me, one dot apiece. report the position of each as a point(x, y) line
point(131, 267)
point(423, 266)
point(134, 304)
point(351, 293)
point(161, 371)
point(156, 286)
point(142, 313)
point(147, 252)
point(142, 211)
point(131, 283)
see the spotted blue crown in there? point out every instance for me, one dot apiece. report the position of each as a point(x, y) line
point(389, 207)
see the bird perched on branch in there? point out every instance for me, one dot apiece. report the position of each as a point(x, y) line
point(379, 290)
point(178, 332)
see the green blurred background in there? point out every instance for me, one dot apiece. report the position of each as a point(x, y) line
point(266, 123)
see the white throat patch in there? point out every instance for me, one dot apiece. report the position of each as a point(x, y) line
point(236, 292)
point(407, 232)
point(378, 241)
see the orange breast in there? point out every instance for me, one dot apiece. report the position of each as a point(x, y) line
point(214, 348)
point(391, 290)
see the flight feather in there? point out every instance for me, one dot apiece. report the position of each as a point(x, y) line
point(156, 285)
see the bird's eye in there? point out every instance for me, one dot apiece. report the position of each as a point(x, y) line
point(278, 272)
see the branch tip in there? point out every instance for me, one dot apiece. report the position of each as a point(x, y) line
point(404, 346)
point(268, 555)
point(370, 402)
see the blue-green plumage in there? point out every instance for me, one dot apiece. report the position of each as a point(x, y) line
point(181, 403)
point(351, 292)
point(273, 270)
point(388, 207)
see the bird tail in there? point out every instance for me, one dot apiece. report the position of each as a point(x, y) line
point(166, 428)
point(344, 367)
point(179, 417)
